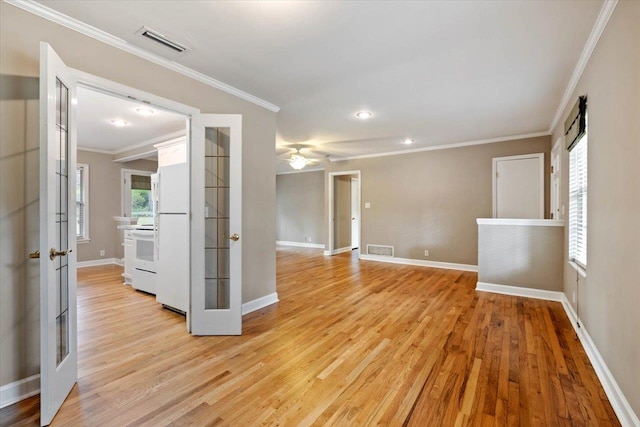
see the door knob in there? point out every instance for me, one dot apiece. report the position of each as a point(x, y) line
point(53, 253)
point(235, 237)
point(34, 255)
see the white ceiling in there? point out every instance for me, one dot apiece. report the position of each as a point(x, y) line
point(96, 132)
point(440, 72)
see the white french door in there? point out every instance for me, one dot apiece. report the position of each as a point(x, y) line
point(58, 314)
point(216, 224)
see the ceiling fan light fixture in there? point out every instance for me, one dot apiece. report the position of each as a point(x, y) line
point(298, 162)
point(408, 141)
point(364, 115)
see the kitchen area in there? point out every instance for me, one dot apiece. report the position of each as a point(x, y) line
point(156, 247)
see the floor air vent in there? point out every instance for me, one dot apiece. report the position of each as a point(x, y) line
point(381, 250)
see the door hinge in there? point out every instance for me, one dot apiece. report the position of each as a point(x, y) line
point(497, 174)
point(551, 168)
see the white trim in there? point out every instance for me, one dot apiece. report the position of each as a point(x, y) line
point(301, 171)
point(172, 136)
point(94, 150)
point(19, 390)
point(300, 244)
point(419, 262)
point(590, 45)
point(519, 291)
point(97, 34)
point(258, 303)
point(442, 146)
point(494, 179)
point(519, 221)
point(96, 262)
point(617, 398)
point(579, 269)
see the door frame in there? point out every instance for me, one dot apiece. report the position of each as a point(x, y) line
point(494, 181)
point(330, 243)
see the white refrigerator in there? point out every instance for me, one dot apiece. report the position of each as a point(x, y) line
point(172, 228)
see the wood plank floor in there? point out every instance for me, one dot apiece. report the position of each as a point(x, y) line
point(351, 343)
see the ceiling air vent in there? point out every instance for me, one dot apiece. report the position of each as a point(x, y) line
point(161, 39)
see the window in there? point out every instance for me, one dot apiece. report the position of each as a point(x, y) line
point(136, 195)
point(578, 203)
point(82, 202)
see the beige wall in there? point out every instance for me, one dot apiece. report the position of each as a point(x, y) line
point(19, 222)
point(431, 199)
point(20, 35)
point(521, 255)
point(105, 203)
point(608, 298)
point(341, 211)
point(300, 207)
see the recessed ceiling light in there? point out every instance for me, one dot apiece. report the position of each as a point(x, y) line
point(408, 141)
point(145, 111)
point(364, 114)
point(119, 122)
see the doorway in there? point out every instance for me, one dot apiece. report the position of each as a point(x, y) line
point(344, 212)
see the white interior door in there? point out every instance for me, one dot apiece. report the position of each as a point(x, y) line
point(518, 186)
point(355, 213)
point(58, 314)
point(216, 225)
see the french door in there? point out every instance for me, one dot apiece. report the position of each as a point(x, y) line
point(216, 224)
point(58, 314)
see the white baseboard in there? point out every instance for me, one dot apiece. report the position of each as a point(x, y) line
point(619, 402)
point(18, 390)
point(119, 261)
point(300, 244)
point(96, 262)
point(520, 291)
point(338, 251)
point(420, 262)
point(259, 303)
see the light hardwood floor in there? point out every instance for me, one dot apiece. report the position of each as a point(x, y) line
point(350, 343)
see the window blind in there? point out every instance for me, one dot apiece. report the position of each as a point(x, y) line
point(140, 182)
point(578, 203)
point(81, 201)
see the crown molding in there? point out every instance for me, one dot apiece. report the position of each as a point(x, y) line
point(151, 142)
point(97, 34)
point(443, 146)
point(94, 150)
point(589, 47)
point(301, 171)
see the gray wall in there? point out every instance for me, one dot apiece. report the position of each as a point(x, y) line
point(521, 255)
point(431, 199)
point(104, 203)
point(20, 35)
point(300, 207)
point(341, 211)
point(609, 297)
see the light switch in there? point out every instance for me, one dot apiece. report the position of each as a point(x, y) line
point(367, 205)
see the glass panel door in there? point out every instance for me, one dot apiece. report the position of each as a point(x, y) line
point(58, 311)
point(216, 285)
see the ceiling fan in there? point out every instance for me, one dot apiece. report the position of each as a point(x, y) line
point(297, 160)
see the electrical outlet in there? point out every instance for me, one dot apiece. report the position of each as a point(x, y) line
point(102, 252)
point(367, 205)
point(426, 252)
point(574, 297)
point(307, 239)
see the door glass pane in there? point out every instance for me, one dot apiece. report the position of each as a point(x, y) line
point(216, 218)
point(62, 227)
